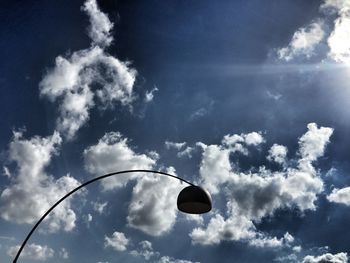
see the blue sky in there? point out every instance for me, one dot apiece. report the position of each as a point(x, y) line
point(248, 99)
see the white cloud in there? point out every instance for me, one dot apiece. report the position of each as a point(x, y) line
point(187, 152)
point(166, 259)
point(341, 196)
point(117, 241)
point(254, 196)
point(33, 252)
point(304, 42)
point(340, 6)
point(274, 242)
point(99, 207)
point(199, 113)
point(83, 79)
point(88, 77)
point(100, 26)
point(146, 250)
point(338, 41)
point(198, 219)
point(112, 153)
point(183, 151)
point(312, 145)
point(6, 172)
point(238, 143)
point(218, 229)
point(63, 253)
point(7, 238)
point(253, 138)
point(32, 192)
point(327, 258)
point(153, 204)
point(215, 167)
point(278, 154)
point(288, 258)
point(297, 249)
point(89, 218)
point(174, 145)
point(150, 95)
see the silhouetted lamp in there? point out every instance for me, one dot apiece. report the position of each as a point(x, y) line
point(192, 199)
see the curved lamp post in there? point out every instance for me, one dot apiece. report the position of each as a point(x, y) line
point(192, 199)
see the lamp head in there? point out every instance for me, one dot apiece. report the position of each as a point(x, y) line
point(194, 200)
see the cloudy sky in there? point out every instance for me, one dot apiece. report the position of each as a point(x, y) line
point(249, 99)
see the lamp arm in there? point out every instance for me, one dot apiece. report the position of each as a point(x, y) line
point(82, 186)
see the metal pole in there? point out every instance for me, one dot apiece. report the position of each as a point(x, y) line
point(82, 186)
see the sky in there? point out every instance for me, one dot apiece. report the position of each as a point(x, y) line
point(248, 99)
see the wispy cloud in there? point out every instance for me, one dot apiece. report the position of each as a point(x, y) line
point(100, 25)
point(88, 78)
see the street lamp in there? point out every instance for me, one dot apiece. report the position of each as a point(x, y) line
point(192, 199)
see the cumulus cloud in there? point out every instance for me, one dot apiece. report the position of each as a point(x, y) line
point(153, 204)
point(112, 153)
point(32, 252)
point(117, 241)
point(32, 191)
point(219, 229)
point(327, 258)
point(339, 5)
point(307, 40)
point(304, 42)
point(253, 196)
point(312, 145)
point(278, 154)
point(338, 40)
point(341, 196)
point(215, 167)
point(263, 241)
point(238, 143)
point(88, 77)
point(146, 251)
